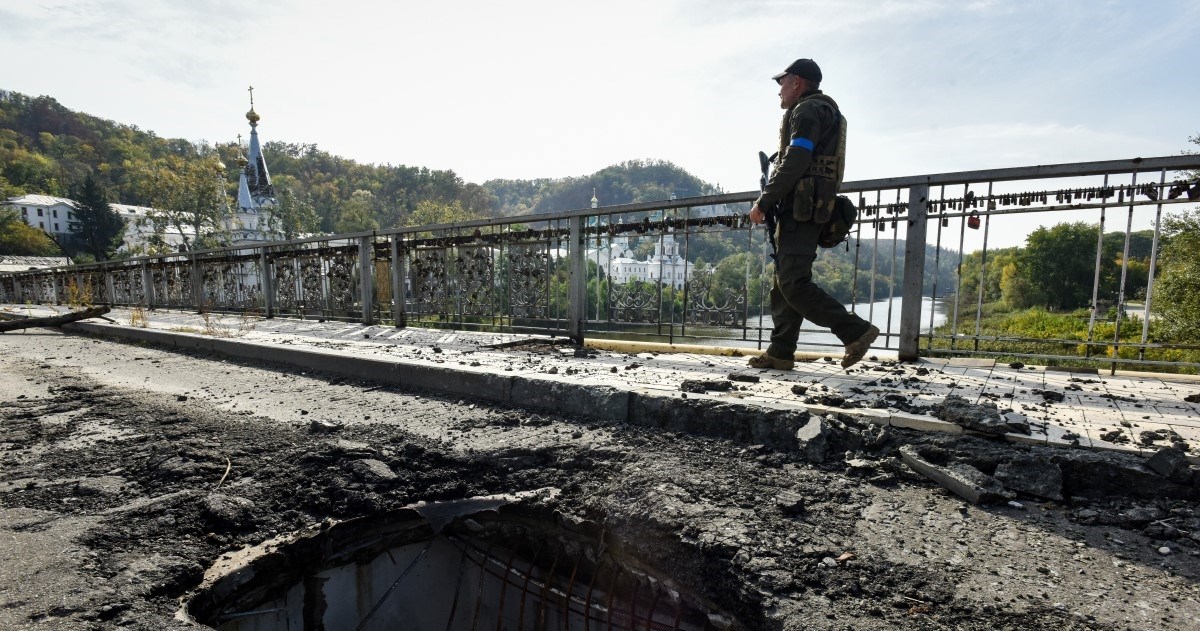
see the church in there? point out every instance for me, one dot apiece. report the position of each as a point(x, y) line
point(252, 222)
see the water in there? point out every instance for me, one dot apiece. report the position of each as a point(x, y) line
point(884, 314)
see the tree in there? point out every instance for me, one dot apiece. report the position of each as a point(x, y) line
point(1058, 264)
point(188, 196)
point(1177, 291)
point(357, 214)
point(293, 216)
point(428, 213)
point(100, 228)
point(20, 239)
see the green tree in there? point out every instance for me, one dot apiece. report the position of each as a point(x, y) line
point(1059, 262)
point(357, 214)
point(293, 215)
point(20, 239)
point(100, 228)
point(428, 212)
point(1177, 290)
point(188, 196)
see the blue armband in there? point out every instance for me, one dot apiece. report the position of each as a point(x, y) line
point(803, 143)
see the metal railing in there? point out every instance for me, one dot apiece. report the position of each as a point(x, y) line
point(687, 270)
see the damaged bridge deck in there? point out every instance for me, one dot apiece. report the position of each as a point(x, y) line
point(1127, 412)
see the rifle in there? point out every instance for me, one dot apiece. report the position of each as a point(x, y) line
point(764, 163)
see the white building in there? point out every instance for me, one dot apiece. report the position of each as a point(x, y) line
point(617, 262)
point(53, 215)
point(143, 235)
point(256, 196)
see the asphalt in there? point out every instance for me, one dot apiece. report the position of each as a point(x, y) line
point(685, 388)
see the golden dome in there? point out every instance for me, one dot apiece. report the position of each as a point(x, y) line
point(252, 116)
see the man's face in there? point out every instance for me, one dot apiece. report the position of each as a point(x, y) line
point(790, 89)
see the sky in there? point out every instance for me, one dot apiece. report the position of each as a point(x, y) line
point(532, 89)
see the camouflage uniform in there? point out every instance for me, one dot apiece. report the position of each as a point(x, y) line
point(801, 193)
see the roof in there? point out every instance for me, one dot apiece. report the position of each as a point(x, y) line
point(38, 200)
point(9, 263)
point(126, 209)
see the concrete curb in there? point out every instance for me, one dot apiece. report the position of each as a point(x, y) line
point(643, 408)
point(767, 422)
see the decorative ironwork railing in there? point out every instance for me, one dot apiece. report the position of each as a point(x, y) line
point(686, 270)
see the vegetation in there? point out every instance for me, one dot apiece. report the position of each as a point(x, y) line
point(21, 239)
point(100, 228)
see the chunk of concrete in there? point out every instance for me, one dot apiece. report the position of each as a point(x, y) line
point(980, 417)
point(1032, 476)
point(371, 470)
point(1171, 463)
point(813, 440)
point(963, 480)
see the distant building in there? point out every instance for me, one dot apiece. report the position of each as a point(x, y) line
point(53, 215)
point(142, 232)
point(256, 196)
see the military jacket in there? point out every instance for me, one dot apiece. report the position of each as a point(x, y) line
point(811, 160)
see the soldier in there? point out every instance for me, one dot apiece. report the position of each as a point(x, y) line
point(801, 192)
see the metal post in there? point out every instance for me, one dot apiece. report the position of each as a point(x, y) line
point(366, 282)
point(147, 286)
point(1153, 266)
point(268, 287)
point(197, 284)
point(577, 285)
point(398, 315)
point(914, 272)
point(108, 283)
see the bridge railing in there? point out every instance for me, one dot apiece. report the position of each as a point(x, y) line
point(680, 270)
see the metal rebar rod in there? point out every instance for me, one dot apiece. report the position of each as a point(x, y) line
point(487, 556)
point(525, 590)
point(567, 596)
point(653, 606)
point(609, 602)
point(545, 589)
point(462, 566)
point(395, 583)
point(503, 591)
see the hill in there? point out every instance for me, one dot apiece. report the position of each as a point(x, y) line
point(47, 148)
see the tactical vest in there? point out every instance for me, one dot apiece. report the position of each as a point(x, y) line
point(815, 193)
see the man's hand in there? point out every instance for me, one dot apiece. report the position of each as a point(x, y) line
point(757, 216)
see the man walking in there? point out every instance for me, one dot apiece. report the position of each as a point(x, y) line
point(801, 193)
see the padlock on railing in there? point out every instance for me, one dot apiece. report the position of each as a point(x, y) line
point(973, 221)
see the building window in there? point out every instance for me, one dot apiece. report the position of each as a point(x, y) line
point(39, 212)
point(42, 225)
point(55, 211)
point(56, 226)
point(70, 216)
point(24, 212)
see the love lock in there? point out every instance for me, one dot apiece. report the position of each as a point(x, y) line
point(973, 221)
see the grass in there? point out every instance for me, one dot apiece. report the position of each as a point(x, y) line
point(1037, 331)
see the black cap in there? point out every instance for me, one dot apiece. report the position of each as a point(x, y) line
point(805, 68)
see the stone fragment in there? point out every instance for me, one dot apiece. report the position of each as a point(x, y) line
point(371, 470)
point(1171, 463)
point(1165, 550)
point(744, 377)
point(1192, 398)
point(324, 427)
point(700, 386)
point(790, 503)
point(961, 479)
point(981, 417)
point(813, 440)
point(1033, 476)
point(227, 511)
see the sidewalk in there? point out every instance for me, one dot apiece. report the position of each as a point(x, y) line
point(1129, 412)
